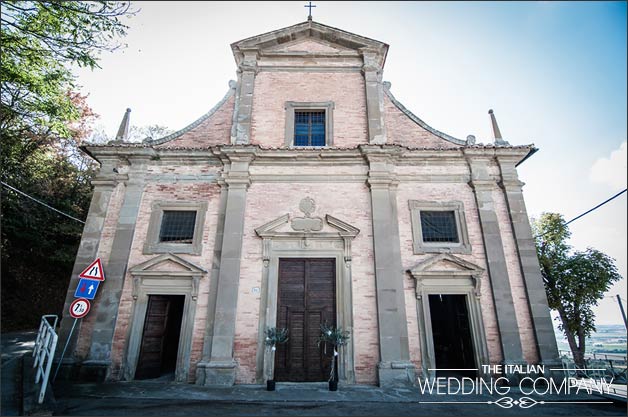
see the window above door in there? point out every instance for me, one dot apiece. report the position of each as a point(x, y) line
point(176, 227)
point(309, 124)
point(439, 227)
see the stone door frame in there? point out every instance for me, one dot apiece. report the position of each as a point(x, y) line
point(184, 280)
point(463, 279)
point(306, 244)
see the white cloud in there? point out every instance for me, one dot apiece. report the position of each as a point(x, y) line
point(612, 170)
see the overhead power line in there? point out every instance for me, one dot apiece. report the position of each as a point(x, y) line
point(588, 211)
point(598, 206)
point(41, 202)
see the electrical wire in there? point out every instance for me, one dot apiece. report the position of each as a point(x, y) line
point(596, 207)
point(589, 211)
point(41, 202)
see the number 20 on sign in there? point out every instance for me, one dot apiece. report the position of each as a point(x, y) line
point(79, 308)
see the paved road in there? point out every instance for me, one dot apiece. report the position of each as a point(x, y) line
point(130, 407)
point(156, 399)
point(310, 399)
point(14, 345)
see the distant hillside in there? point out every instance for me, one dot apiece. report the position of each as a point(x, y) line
point(608, 338)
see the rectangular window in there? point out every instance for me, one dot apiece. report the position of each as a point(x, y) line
point(177, 226)
point(439, 226)
point(309, 128)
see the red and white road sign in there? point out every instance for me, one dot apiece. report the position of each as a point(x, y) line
point(79, 308)
point(94, 271)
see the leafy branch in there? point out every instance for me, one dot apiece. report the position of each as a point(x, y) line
point(336, 337)
point(275, 336)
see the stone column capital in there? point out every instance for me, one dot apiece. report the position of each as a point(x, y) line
point(107, 182)
point(384, 182)
point(235, 183)
point(371, 73)
point(512, 185)
point(483, 185)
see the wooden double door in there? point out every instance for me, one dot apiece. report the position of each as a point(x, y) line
point(306, 299)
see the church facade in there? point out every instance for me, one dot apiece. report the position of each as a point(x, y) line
point(308, 195)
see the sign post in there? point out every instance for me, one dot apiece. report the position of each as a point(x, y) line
point(78, 309)
point(89, 280)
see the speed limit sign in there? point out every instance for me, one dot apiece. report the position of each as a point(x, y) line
point(79, 308)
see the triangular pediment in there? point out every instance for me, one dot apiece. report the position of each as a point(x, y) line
point(167, 263)
point(287, 226)
point(446, 264)
point(308, 45)
point(306, 225)
point(310, 37)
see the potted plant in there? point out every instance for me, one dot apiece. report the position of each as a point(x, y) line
point(336, 338)
point(274, 337)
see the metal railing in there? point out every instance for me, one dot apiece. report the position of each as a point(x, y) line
point(44, 352)
point(609, 367)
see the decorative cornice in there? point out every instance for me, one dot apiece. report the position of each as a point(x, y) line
point(145, 267)
point(270, 230)
point(345, 229)
point(266, 42)
point(424, 270)
point(466, 267)
point(364, 155)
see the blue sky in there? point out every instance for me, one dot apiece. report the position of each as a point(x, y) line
point(554, 73)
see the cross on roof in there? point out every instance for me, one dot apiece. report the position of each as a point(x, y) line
point(310, 5)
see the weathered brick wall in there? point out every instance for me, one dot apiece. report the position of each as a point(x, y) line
point(215, 130)
point(273, 89)
point(349, 202)
point(401, 130)
point(182, 191)
point(444, 192)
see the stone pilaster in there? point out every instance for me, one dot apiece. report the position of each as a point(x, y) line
point(213, 287)
point(529, 263)
point(221, 367)
point(247, 69)
point(104, 184)
point(394, 367)
point(484, 185)
point(98, 363)
point(374, 96)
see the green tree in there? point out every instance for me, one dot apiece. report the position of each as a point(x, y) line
point(43, 120)
point(574, 281)
point(137, 134)
point(40, 42)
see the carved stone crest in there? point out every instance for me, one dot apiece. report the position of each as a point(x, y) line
point(307, 223)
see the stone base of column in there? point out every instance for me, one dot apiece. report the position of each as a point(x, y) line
point(95, 370)
point(216, 373)
point(396, 374)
